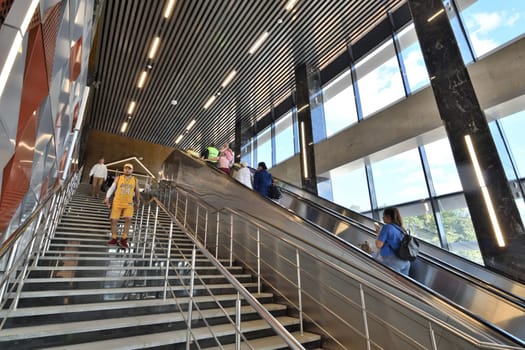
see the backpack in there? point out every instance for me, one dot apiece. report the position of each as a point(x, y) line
point(409, 247)
point(274, 192)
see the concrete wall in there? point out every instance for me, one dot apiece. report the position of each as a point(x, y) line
point(499, 81)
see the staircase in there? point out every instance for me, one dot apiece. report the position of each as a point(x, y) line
point(83, 294)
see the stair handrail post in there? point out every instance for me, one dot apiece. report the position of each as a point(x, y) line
point(217, 236)
point(238, 322)
point(154, 235)
point(169, 198)
point(258, 261)
point(432, 336)
point(231, 240)
point(168, 256)
point(10, 262)
point(176, 203)
point(197, 221)
point(185, 211)
point(140, 224)
point(45, 232)
point(146, 233)
point(299, 289)
point(190, 306)
point(206, 228)
point(365, 317)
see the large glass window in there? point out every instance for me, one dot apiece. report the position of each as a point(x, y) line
point(490, 24)
point(264, 147)
point(413, 62)
point(247, 154)
point(350, 188)
point(339, 104)
point(399, 179)
point(442, 166)
point(379, 79)
point(284, 138)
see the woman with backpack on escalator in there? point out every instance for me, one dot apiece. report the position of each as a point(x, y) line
point(389, 239)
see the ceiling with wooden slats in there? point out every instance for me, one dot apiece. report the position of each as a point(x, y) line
point(200, 44)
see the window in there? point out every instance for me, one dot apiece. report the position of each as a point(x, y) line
point(399, 179)
point(264, 147)
point(339, 104)
point(413, 62)
point(490, 24)
point(379, 79)
point(247, 154)
point(284, 138)
point(442, 166)
point(350, 188)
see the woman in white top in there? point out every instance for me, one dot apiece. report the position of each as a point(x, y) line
point(244, 175)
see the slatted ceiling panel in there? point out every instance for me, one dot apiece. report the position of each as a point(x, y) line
point(200, 45)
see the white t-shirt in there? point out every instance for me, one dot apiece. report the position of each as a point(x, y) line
point(244, 176)
point(99, 170)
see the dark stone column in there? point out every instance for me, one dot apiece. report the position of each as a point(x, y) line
point(463, 118)
point(238, 140)
point(306, 141)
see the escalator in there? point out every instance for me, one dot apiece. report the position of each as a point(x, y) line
point(491, 297)
point(492, 300)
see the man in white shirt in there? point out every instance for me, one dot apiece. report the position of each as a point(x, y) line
point(99, 173)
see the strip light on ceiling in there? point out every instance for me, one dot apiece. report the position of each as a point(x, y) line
point(168, 10)
point(303, 151)
point(131, 107)
point(124, 127)
point(190, 125)
point(154, 47)
point(178, 139)
point(258, 43)
point(290, 4)
point(484, 190)
point(431, 18)
point(142, 79)
point(209, 102)
point(229, 78)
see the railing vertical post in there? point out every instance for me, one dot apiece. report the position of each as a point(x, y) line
point(231, 240)
point(146, 233)
point(154, 235)
point(238, 322)
point(365, 319)
point(140, 225)
point(299, 289)
point(185, 210)
point(432, 336)
point(168, 261)
point(217, 238)
point(10, 262)
point(176, 203)
point(258, 261)
point(169, 199)
point(190, 306)
point(206, 229)
point(197, 221)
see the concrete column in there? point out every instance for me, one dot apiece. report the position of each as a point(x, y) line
point(496, 219)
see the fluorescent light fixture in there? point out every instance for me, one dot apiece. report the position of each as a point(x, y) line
point(303, 143)
point(169, 8)
point(142, 79)
point(124, 127)
point(178, 139)
point(154, 47)
point(131, 107)
point(431, 18)
point(258, 42)
point(229, 78)
point(209, 102)
point(485, 192)
point(290, 4)
point(190, 125)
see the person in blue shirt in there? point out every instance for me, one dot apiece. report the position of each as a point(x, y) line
point(389, 239)
point(262, 179)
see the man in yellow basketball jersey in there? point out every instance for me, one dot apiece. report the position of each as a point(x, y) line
point(125, 187)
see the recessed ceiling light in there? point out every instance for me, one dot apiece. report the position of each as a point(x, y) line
point(190, 125)
point(179, 138)
point(229, 78)
point(149, 66)
point(258, 42)
point(290, 4)
point(209, 102)
point(124, 127)
point(154, 47)
point(142, 79)
point(131, 107)
point(279, 21)
point(169, 8)
point(174, 102)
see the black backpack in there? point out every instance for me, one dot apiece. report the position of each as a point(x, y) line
point(274, 192)
point(409, 247)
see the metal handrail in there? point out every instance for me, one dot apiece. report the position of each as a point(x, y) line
point(256, 221)
point(261, 310)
